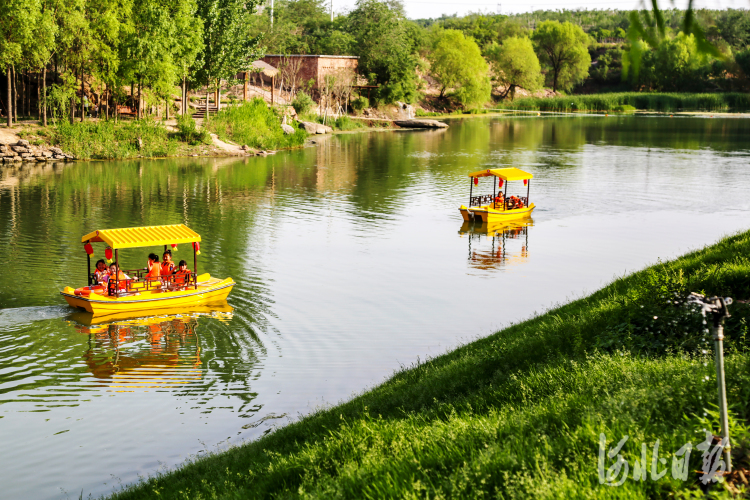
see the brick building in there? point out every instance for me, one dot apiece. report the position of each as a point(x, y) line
point(312, 67)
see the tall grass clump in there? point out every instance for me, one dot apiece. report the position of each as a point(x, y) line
point(519, 414)
point(188, 132)
point(642, 101)
point(255, 124)
point(110, 140)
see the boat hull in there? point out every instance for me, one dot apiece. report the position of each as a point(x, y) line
point(212, 290)
point(487, 214)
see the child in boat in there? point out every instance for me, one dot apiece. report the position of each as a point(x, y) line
point(153, 267)
point(122, 278)
point(167, 266)
point(101, 274)
point(182, 275)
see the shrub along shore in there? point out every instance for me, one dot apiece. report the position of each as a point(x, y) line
point(625, 101)
point(519, 414)
point(252, 123)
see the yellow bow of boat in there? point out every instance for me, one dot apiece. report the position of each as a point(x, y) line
point(498, 206)
point(132, 290)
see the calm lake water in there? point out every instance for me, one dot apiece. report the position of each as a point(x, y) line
point(350, 259)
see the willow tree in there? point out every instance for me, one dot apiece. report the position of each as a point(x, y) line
point(515, 64)
point(457, 63)
point(562, 47)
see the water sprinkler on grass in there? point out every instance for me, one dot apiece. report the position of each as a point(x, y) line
point(717, 308)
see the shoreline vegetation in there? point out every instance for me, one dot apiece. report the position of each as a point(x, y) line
point(519, 414)
point(258, 126)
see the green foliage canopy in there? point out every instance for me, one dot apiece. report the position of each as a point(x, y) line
point(457, 63)
point(387, 54)
point(562, 48)
point(515, 64)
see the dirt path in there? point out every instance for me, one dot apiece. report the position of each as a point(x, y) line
point(230, 148)
point(8, 136)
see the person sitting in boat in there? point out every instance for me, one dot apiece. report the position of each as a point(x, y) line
point(101, 274)
point(182, 275)
point(122, 278)
point(153, 267)
point(499, 200)
point(167, 265)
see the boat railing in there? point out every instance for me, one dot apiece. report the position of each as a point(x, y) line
point(138, 283)
point(509, 204)
point(477, 201)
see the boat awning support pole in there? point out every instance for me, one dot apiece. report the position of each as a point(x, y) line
point(117, 273)
point(493, 195)
point(528, 190)
point(471, 188)
point(88, 275)
point(195, 265)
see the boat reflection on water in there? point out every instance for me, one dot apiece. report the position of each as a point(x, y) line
point(496, 245)
point(132, 352)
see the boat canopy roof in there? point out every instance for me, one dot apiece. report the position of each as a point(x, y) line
point(507, 174)
point(133, 237)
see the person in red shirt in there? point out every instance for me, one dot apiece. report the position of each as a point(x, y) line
point(153, 267)
point(167, 265)
point(182, 275)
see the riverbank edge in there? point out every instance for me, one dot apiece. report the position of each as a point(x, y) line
point(520, 411)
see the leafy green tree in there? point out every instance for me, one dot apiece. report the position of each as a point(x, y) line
point(675, 64)
point(387, 54)
point(562, 48)
point(457, 63)
point(515, 64)
point(187, 43)
point(227, 46)
point(17, 21)
point(146, 51)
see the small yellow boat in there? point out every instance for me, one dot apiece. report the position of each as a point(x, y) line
point(136, 292)
point(498, 206)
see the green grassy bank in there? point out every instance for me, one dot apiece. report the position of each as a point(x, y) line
point(735, 102)
point(519, 414)
point(255, 124)
point(113, 140)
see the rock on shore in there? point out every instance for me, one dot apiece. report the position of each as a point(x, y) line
point(316, 128)
point(22, 150)
point(420, 124)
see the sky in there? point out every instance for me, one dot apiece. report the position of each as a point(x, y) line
point(416, 9)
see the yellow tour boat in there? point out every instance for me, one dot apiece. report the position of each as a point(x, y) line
point(498, 206)
point(131, 290)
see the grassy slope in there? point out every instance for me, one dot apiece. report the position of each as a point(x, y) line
point(517, 414)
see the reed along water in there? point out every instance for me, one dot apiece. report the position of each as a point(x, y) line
point(351, 261)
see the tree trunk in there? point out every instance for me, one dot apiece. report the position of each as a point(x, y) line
point(183, 108)
point(139, 113)
point(44, 96)
point(38, 95)
point(15, 95)
point(206, 117)
point(216, 95)
point(244, 89)
point(166, 108)
point(83, 111)
point(8, 107)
